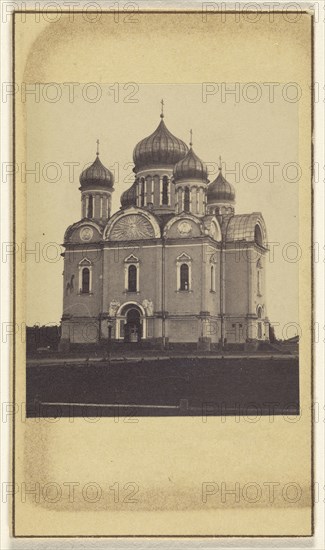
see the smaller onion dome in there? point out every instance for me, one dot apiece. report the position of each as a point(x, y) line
point(97, 175)
point(128, 198)
point(220, 190)
point(190, 167)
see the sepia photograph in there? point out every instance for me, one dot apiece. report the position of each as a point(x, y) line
point(169, 285)
point(162, 254)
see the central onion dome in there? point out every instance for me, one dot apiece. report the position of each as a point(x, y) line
point(220, 190)
point(129, 198)
point(97, 175)
point(161, 148)
point(191, 167)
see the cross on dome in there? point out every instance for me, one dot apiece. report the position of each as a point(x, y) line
point(162, 109)
point(97, 152)
point(161, 148)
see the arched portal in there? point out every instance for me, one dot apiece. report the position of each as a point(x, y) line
point(131, 323)
point(132, 327)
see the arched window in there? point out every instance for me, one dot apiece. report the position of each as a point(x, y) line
point(142, 192)
point(259, 324)
point(131, 273)
point(85, 276)
point(165, 190)
point(184, 277)
point(85, 281)
point(197, 200)
point(212, 278)
point(186, 199)
point(259, 283)
point(259, 278)
point(132, 278)
point(184, 272)
point(90, 207)
point(149, 189)
point(156, 194)
point(258, 235)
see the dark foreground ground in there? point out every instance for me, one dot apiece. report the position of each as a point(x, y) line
point(164, 387)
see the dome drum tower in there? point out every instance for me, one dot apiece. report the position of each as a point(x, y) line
point(154, 158)
point(154, 189)
point(221, 197)
point(190, 197)
point(191, 180)
point(96, 186)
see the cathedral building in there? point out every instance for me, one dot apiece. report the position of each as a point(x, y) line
point(175, 264)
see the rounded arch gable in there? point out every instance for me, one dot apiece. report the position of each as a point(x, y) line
point(124, 308)
point(83, 231)
point(183, 226)
point(132, 224)
point(247, 227)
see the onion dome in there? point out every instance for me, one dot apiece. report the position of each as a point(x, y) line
point(128, 198)
point(97, 175)
point(161, 148)
point(220, 190)
point(190, 167)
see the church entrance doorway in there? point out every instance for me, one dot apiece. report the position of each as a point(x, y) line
point(132, 327)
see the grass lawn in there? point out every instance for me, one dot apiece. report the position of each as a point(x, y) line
point(165, 387)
